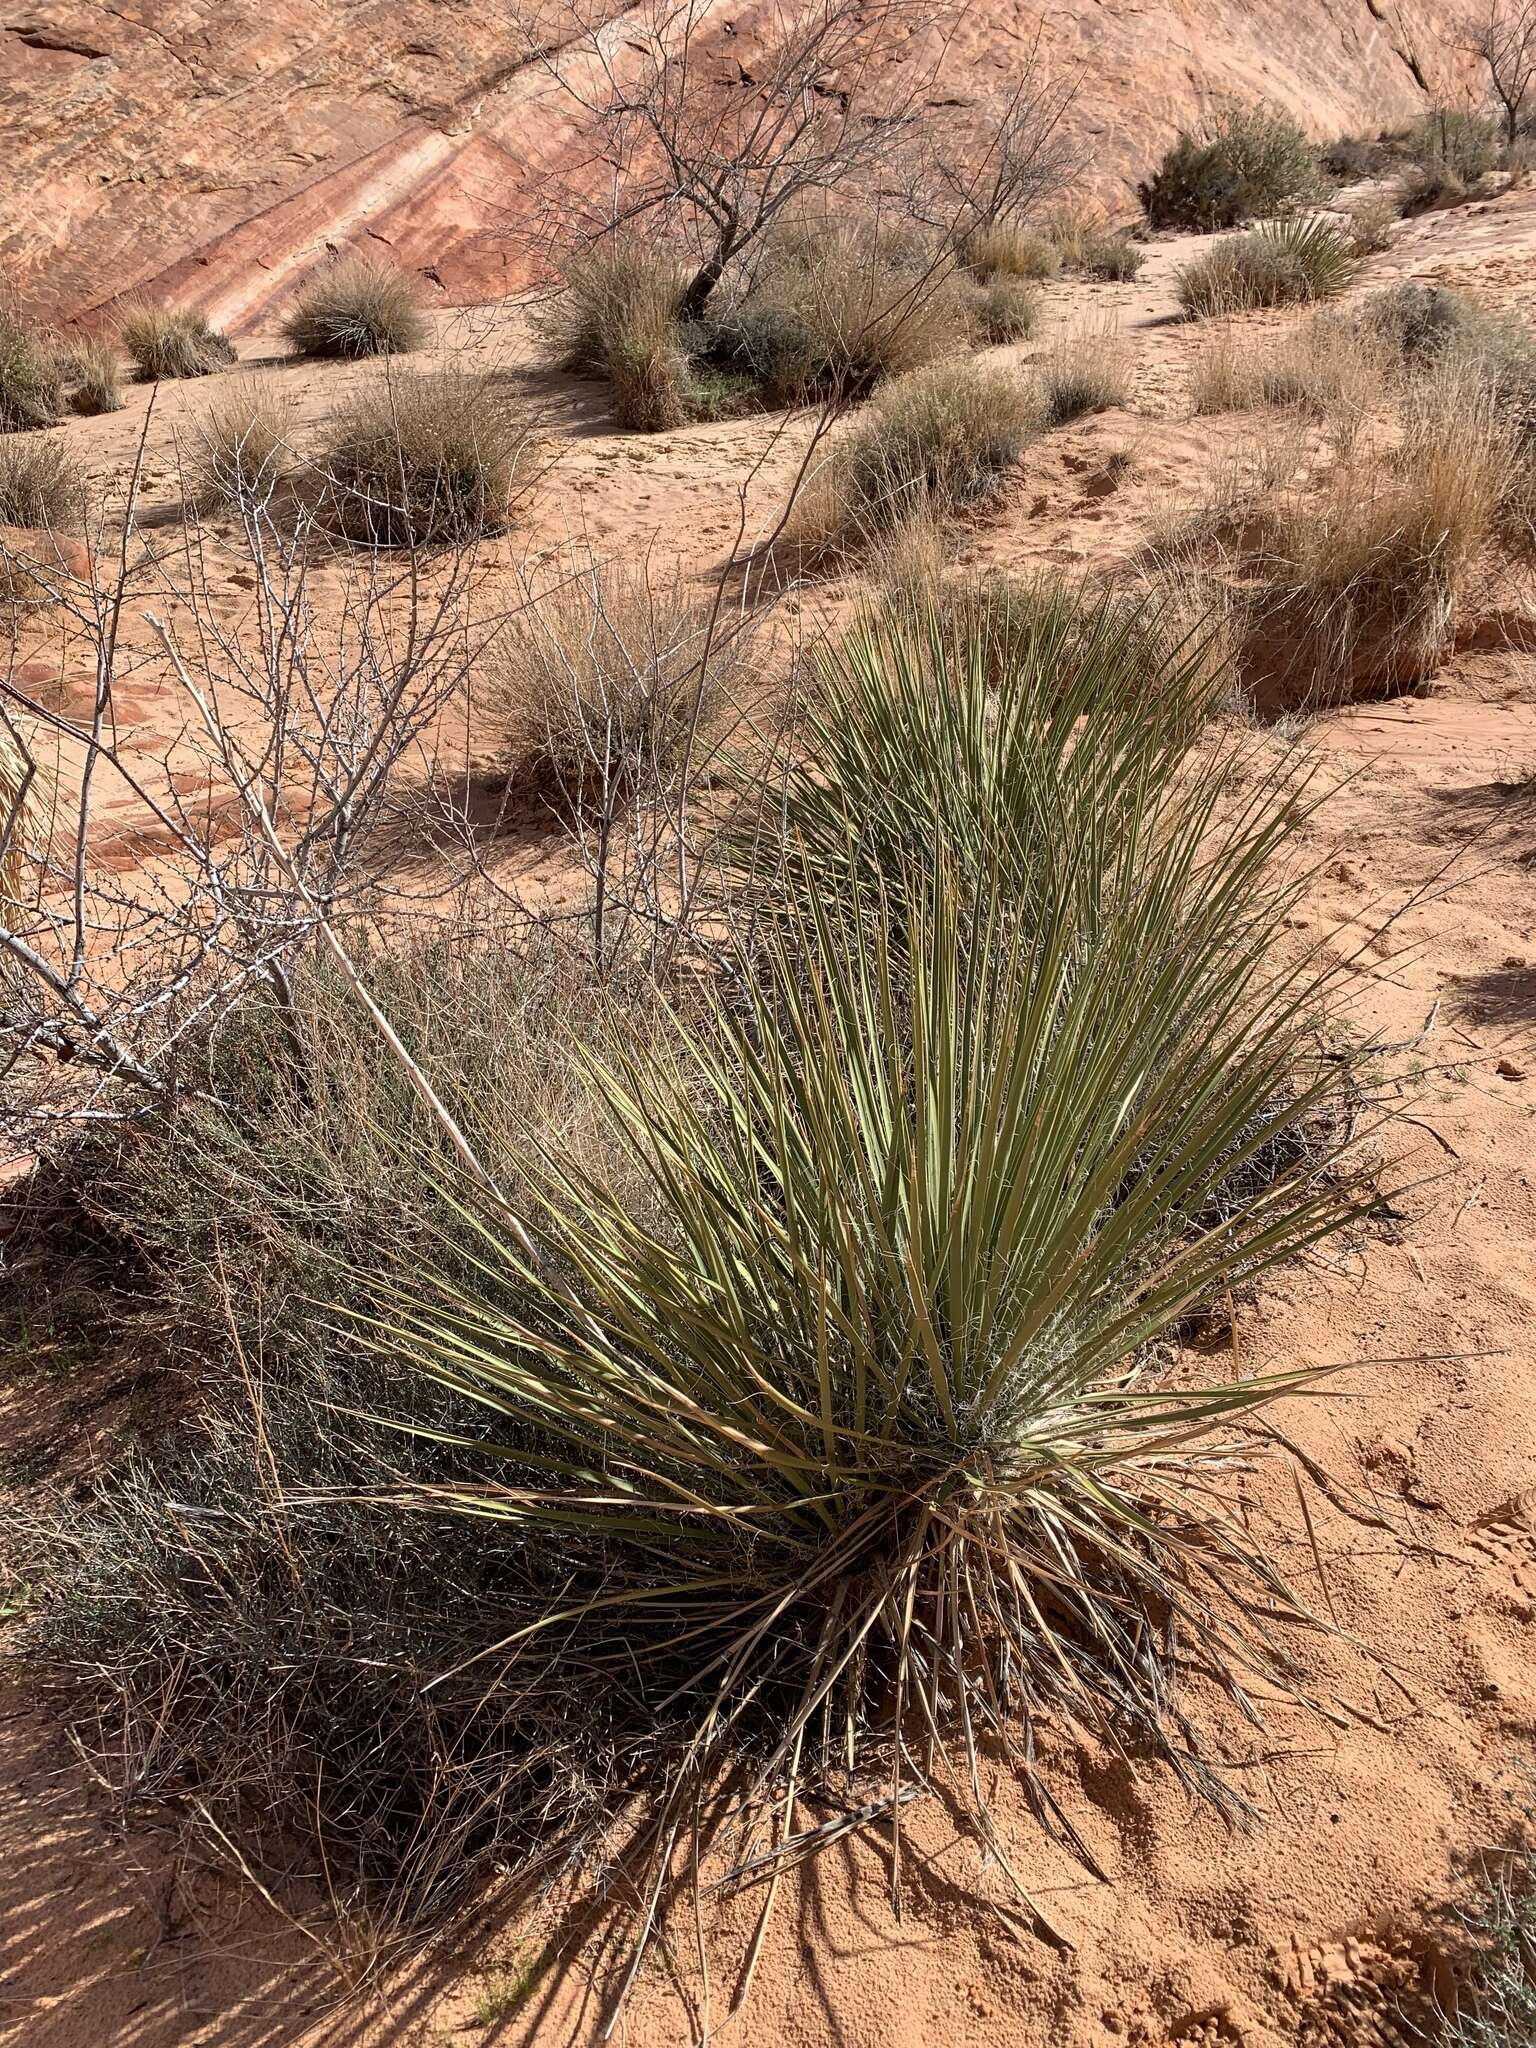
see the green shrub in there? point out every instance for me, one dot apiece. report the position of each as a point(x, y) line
point(1447, 153)
point(440, 457)
point(39, 485)
point(1247, 163)
point(838, 309)
point(864, 1414)
point(939, 440)
point(1111, 259)
point(30, 385)
point(357, 306)
point(92, 371)
point(164, 342)
point(1281, 263)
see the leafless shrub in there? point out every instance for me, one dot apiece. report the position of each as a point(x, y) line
point(243, 444)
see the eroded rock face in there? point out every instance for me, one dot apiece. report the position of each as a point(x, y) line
point(215, 149)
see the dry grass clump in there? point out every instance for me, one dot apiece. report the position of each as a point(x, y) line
point(357, 306)
point(1350, 581)
point(1006, 309)
point(606, 677)
point(164, 341)
point(39, 485)
point(1247, 163)
point(1370, 221)
point(616, 316)
point(1087, 247)
point(422, 460)
point(93, 374)
point(1281, 263)
point(1337, 369)
point(1008, 249)
point(244, 444)
point(1086, 370)
point(26, 803)
point(836, 309)
point(30, 384)
point(936, 442)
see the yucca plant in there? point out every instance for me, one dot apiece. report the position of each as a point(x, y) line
point(861, 1424)
point(1284, 262)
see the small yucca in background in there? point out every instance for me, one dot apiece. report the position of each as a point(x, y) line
point(357, 306)
point(165, 341)
point(860, 1421)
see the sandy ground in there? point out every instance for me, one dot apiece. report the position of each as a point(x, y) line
point(1326, 1920)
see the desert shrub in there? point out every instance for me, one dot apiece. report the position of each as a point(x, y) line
point(920, 1200)
point(39, 485)
point(440, 457)
point(1427, 326)
point(1112, 259)
point(1496, 1991)
point(1362, 576)
point(357, 306)
point(236, 1624)
point(92, 371)
point(1349, 158)
point(603, 678)
point(1369, 223)
point(30, 385)
point(837, 309)
point(616, 316)
point(1281, 263)
point(1083, 244)
point(1087, 370)
point(1330, 366)
point(168, 342)
point(243, 444)
point(1008, 249)
point(938, 440)
point(1247, 163)
point(1447, 153)
point(1006, 309)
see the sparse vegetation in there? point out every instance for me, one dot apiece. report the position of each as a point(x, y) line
point(243, 444)
point(429, 459)
point(607, 674)
point(30, 385)
point(39, 485)
point(168, 342)
point(1087, 370)
point(1248, 163)
point(93, 373)
point(357, 306)
point(940, 440)
point(1281, 263)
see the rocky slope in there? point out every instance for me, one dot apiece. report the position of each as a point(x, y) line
point(216, 148)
